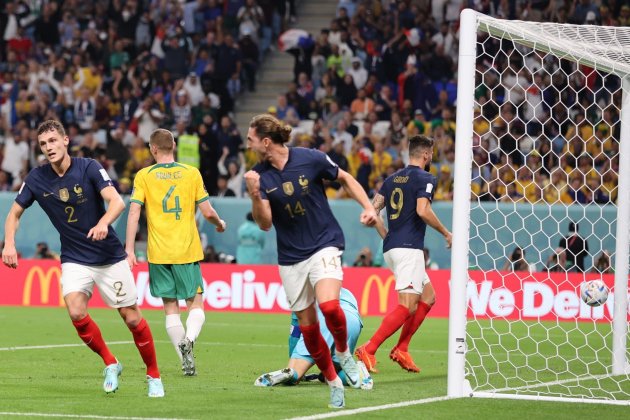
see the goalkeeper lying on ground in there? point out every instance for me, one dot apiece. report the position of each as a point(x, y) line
point(300, 361)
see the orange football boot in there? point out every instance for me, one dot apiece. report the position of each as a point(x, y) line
point(404, 359)
point(369, 360)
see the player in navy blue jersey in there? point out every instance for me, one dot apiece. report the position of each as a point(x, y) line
point(407, 196)
point(73, 193)
point(287, 190)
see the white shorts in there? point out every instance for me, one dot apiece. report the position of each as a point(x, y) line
point(115, 282)
point(299, 279)
point(407, 264)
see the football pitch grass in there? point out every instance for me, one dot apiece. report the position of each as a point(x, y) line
point(46, 371)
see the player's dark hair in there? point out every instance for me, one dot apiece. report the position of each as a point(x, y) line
point(419, 143)
point(51, 125)
point(267, 125)
point(162, 139)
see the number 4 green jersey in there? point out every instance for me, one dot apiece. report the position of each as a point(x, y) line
point(170, 193)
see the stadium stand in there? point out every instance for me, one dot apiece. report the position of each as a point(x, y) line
point(370, 74)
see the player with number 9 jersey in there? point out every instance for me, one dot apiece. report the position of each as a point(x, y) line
point(401, 191)
point(407, 196)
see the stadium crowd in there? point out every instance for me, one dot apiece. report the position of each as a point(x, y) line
point(113, 71)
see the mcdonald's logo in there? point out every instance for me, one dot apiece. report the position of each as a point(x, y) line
point(45, 278)
point(383, 292)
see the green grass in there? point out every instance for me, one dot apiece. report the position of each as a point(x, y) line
point(232, 351)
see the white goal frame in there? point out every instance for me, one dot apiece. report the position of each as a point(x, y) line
point(471, 23)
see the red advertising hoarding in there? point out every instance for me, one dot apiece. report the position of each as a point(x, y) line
point(257, 288)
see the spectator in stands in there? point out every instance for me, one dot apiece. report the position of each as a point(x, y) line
point(341, 135)
point(346, 91)
point(428, 262)
point(5, 185)
point(385, 103)
point(148, 118)
point(43, 252)
point(364, 259)
point(251, 241)
point(603, 264)
point(358, 72)
point(250, 58)
point(15, 152)
point(362, 105)
point(351, 127)
point(229, 136)
point(210, 255)
point(250, 19)
point(576, 247)
point(517, 261)
point(227, 65)
point(557, 261)
point(234, 170)
point(444, 187)
point(576, 190)
point(381, 160)
point(222, 188)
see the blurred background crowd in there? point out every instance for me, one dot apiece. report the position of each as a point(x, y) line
point(112, 71)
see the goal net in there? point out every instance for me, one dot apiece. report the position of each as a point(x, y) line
point(541, 205)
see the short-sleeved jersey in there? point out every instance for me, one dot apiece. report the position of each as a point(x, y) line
point(300, 211)
point(74, 204)
point(401, 191)
point(170, 193)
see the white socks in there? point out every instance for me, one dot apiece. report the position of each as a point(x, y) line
point(175, 331)
point(194, 322)
point(335, 383)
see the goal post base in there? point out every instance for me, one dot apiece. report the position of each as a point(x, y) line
point(494, 395)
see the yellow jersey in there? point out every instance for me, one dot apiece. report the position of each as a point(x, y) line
point(170, 193)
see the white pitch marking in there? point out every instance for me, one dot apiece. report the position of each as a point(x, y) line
point(374, 408)
point(82, 416)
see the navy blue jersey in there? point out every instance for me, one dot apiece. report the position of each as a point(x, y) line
point(74, 204)
point(401, 191)
point(300, 211)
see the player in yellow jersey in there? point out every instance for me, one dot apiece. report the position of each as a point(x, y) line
point(171, 192)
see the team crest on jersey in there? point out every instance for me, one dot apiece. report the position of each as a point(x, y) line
point(303, 181)
point(287, 187)
point(77, 189)
point(64, 194)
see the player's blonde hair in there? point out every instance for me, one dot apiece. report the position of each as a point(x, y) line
point(51, 125)
point(267, 125)
point(162, 139)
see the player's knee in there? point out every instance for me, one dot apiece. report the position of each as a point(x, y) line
point(76, 314)
point(429, 300)
point(330, 307)
point(131, 317)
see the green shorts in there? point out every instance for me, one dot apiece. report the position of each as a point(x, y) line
point(175, 281)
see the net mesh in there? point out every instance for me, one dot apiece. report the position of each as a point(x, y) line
point(545, 168)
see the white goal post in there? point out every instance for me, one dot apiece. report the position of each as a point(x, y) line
point(571, 352)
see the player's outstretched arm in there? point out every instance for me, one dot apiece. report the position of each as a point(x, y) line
point(424, 210)
point(379, 202)
point(261, 210)
point(115, 206)
point(130, 236)
point(211, 215)
point(356, 191)
point(9, 253)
